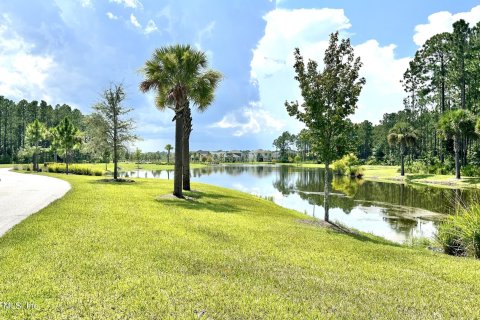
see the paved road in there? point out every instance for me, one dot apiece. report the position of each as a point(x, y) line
point(24, 194)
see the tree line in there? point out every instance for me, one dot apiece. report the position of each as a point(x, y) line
point(437, 131)
point(15, 119)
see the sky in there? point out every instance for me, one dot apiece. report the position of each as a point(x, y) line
point(69, 51)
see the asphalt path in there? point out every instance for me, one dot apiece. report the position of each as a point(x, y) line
point(24, 194)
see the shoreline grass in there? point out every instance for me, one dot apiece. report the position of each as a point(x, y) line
point(110, 250)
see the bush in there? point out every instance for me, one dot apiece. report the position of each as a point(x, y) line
point(79, 169)
point(348, 166)
point(470, 171)
point(460, 234)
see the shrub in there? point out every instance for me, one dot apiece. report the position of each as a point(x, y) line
point(348, 166)
point(470, 171)
point(79, 169)
point(460, 234)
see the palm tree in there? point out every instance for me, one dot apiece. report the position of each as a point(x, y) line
point(453, 125)
point(178, 74)
point(169, 148)
point(403, 135)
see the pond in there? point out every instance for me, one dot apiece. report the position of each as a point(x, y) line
point(396, 212)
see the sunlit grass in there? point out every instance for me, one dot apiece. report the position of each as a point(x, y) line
point(118, 250)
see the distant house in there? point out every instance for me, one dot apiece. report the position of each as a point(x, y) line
point(218, 156)
point(233, 156)
point(260, 155)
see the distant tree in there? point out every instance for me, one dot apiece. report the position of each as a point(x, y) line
point(283, 144)
point(138, 156)
point(114, 130)
point(403, 136)
point(97, 142)
point(365, 139)
point(68, 138)
point(178, 74)
point(330, 96)
point(303, 143)
point(455, 124)
point(169, 148)
point(36, 133)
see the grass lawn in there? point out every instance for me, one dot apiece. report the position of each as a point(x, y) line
point(111, 251)
point(391, 174)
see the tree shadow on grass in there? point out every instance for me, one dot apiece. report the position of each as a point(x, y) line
point(471, 180)
point(122, 182)
point(338, 228)
point(197, 200)
point(418, 176)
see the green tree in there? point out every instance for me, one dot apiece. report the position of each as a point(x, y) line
point(36, 133)
point(455, 124)
point(330, 96)
point(114, 129)
point(68, 138)
point(402, 135)
point(169, 148)
point(283, 144)
point(97, 142)
point(365, 139)
point(138, 156)
point(178, 74)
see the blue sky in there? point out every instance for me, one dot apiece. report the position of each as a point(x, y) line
point(68, 51)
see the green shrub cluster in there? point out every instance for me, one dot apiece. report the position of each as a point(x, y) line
point(429, 167)
point(79, 169)
point(460, 234)
point(349, 165)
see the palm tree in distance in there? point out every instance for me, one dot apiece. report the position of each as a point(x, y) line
point(178, 74)
point(456, 124)
point(403, 135)
point(169, 148)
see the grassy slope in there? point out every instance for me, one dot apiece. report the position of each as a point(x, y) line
point(109, 251)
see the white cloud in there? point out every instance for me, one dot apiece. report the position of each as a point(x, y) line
point(309, 29)
point(151, 27)
point(111, 16)
point(383, 91)
point(255, 120)
point(86, 3)
point(129, 3)
point(23, 74)
point(134, 21)
point(442, 22)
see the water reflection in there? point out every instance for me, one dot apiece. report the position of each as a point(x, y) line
point(394, 211)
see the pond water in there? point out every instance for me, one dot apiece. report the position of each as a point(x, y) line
point(396, 212)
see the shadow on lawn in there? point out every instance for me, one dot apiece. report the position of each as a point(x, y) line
point(417, 176)
point(338, 228)
point(197, 200)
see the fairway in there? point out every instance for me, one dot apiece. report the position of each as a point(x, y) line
point(118, 250)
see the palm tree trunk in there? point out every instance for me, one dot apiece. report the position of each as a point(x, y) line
point(168, 156)
point(178, 173)
point(326, 193)
point(402, 165)
point(66, 161)
point(456, 144)
point(187, 124)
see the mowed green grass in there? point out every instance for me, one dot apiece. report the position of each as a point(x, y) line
point(112, 251)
